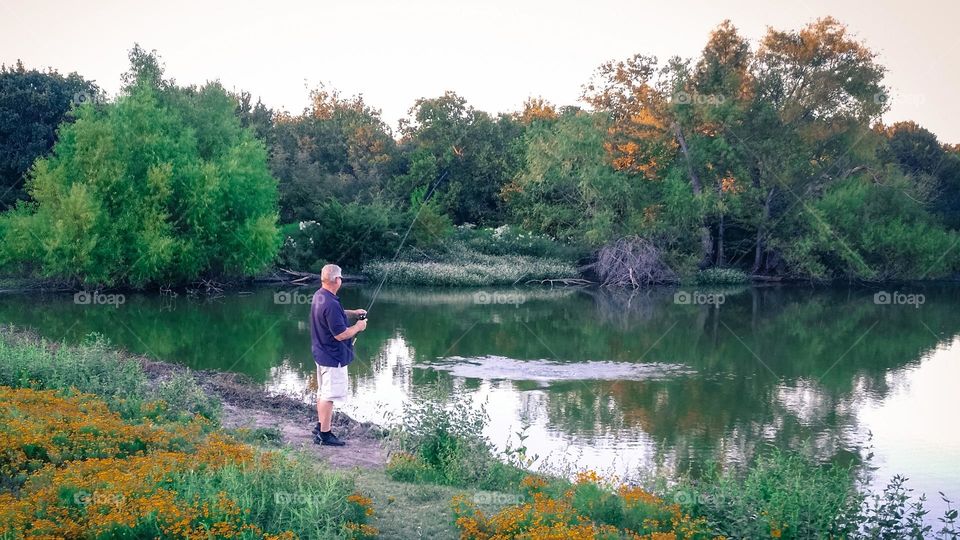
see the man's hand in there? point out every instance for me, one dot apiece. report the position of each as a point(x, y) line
point(349, 333)
point(356, 312)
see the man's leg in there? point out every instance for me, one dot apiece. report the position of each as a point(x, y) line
point(324, 414)
point(326, 393)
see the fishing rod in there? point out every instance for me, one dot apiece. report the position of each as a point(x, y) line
point(403, 240)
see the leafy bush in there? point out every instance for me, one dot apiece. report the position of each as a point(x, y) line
point(446, 445)
point(782, 495)
point(345, 234)
point(788, 495)
point(162, 186)
point(722, 276)
point(902, 240)
point(511, 240)
point(182, 393)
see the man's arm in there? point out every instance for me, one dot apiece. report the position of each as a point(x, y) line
point(360, 326)
point(355, 312)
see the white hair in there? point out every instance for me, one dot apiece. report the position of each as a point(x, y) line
point(329, 273)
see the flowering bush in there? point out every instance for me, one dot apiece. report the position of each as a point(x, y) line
point(78, 470)
point(590, 508)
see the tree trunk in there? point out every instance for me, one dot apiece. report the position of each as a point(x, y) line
point(706, 239)
point(720, 228)
point(758, 254)
point(694, 179)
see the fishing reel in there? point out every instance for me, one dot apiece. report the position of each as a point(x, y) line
point(362, 317)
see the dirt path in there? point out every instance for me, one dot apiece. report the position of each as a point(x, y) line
point(248, 405)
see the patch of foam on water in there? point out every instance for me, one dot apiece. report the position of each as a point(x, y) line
point(547, 371)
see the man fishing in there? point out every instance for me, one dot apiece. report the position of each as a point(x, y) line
point(332, 345)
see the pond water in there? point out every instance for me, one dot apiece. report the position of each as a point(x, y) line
point(661, 377)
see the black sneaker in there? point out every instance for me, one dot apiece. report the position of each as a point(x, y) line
point(327, 439)
point(316, 429)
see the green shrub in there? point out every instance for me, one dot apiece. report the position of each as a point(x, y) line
point(162, 186)
point(345, 234)
point(901, 241)
point(445, 444)
point(789, 496)
point(511, 240)
point(182, 393)
point(722, 276)
point(781, 494)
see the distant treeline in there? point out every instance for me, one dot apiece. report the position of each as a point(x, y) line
point(766, 157)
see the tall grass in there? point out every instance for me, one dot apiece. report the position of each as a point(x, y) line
point(93, 367)
point(462, 266)
point(788, 495)
point(443, 443)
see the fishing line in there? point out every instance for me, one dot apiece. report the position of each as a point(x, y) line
point(403, 240)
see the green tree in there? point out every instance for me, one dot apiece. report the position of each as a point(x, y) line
point(32, 104)
point(339, 147)
point(933, 167)
point(567, 188)
point(464, 155)
point(816, 92)
point(161, 187)
point(876, 218)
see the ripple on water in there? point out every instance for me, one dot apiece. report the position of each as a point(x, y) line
point(548, 371)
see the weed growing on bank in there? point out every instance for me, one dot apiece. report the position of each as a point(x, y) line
point(95, 368)
point(781, 494)
point(445, 444)
point(721, 276)
point(788, 495)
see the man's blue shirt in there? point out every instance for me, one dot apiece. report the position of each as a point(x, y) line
point(327, 319)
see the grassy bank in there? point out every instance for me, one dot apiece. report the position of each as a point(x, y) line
point(90, 447)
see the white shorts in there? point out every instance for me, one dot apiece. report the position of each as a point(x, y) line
point(331, 383)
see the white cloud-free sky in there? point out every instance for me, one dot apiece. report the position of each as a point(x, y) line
point(495, 53)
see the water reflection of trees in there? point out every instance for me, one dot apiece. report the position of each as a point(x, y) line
point(777, 364)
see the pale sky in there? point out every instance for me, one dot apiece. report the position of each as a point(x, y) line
point(494, 53)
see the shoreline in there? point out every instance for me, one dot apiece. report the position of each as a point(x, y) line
point(245, 405)
point(10, 285)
